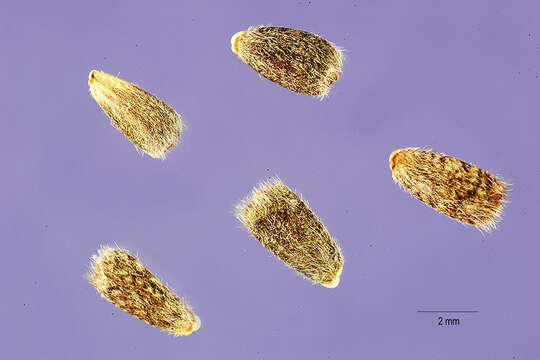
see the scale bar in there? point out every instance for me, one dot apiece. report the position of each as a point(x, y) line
point(448, 311)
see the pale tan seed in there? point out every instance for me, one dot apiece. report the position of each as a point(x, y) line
point(457, 189)
point(123, 280)
point(285, 225)
point(297, 60)
point(149, 123)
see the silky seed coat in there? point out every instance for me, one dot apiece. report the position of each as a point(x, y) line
point(297, 60)
point(123, 280)
point(454, 187)
point(285, 225)
point(149, 123)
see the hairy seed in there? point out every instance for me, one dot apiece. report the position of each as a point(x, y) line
point(124, 281)
point(458, 189)
point(149, 123)
point(285, 225)
point(297, 60)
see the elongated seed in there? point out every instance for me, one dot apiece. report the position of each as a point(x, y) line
point(285, 225)
point(457, 189)
point(149, 123)
point(123, 280)
point(297, 60)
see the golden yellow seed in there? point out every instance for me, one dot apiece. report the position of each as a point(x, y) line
point(285, 225)
point(297, 60)
point(149, 123)
point(124, 281)
point(451, 186)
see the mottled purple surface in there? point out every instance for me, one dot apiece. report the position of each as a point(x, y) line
point(461, 77)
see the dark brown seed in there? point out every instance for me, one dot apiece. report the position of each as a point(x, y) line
point(297, 60)
point(124, 281)
point(457, 189)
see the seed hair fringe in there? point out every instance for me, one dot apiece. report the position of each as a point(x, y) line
point(451, 186)
point(149, 123)
point(123, 280)
point(297, 60)
point(285, 225)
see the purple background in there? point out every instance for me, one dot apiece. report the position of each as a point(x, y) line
point(461, 77)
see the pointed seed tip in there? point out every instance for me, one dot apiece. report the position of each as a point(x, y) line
point(194, 327)
point(234, 41)
point(332, 284)
point(392, 158)
point(335, 282)
point(91, 76)
point(197, 324)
